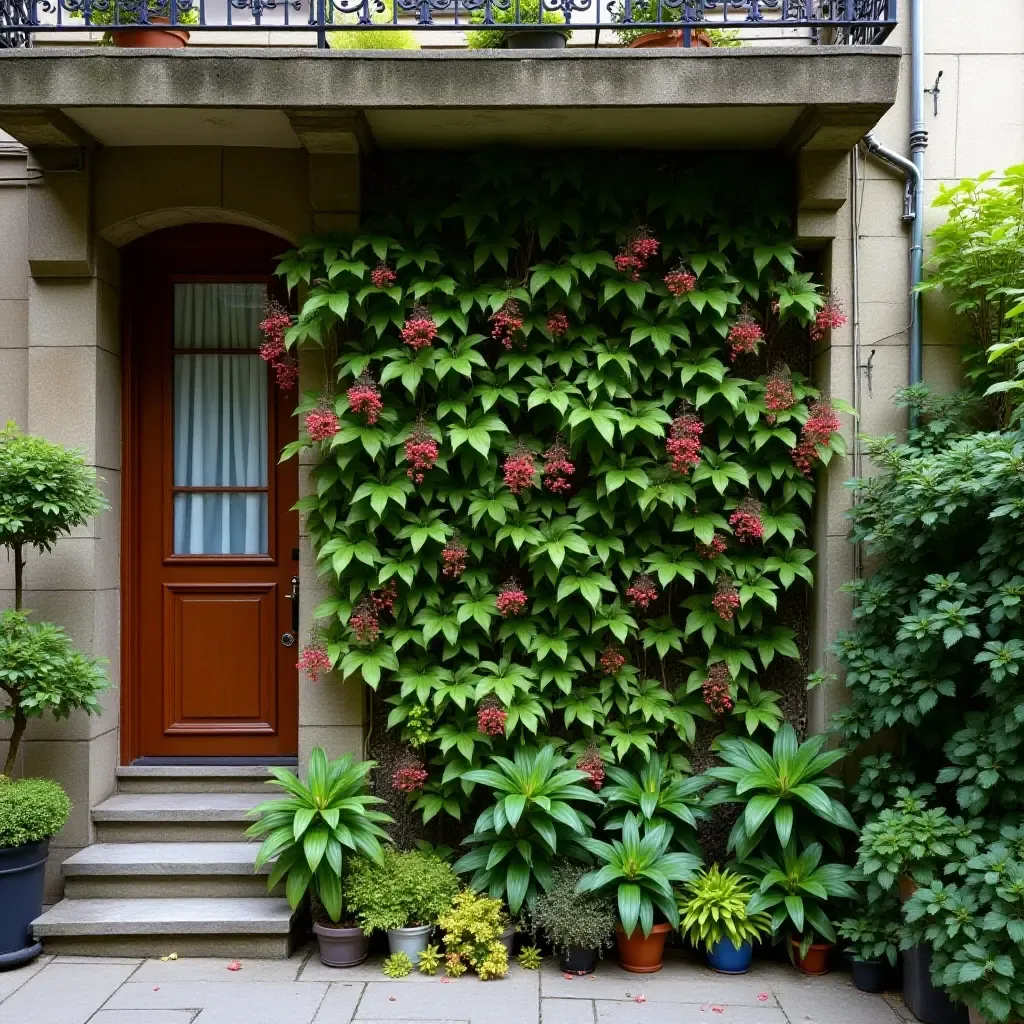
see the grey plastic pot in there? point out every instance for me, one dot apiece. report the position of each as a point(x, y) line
point(411, 941)
point(507, 938)
point(342, 947)
point(536, 39)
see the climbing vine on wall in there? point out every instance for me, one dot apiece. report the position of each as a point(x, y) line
point(563, 474)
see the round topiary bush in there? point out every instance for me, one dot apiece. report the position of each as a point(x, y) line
point(31, 810)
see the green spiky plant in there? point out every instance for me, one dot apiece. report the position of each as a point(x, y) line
point(713, 908)
point(308, 832)
point(398, 965)
point(529, 958)
point(430, 960)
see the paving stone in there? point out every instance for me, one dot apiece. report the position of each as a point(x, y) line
point(12, 980)
point(224, 1002)
point(566, 1011)
point(686, 1013)
point(143, 1017)
point(63, 994)
point(124, 961)
point(832, 1000)
point(340, 1003)
point(190, 969)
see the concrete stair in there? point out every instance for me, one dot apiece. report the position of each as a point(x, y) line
point(171, 871)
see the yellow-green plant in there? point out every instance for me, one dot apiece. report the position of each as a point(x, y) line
point(529, 958)
point(713, 907)
point(471, 930)
point(430, 960)
point(398, 965)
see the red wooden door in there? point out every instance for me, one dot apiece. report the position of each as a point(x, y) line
point(212, 541)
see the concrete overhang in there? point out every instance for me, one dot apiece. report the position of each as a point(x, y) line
point(752, 97)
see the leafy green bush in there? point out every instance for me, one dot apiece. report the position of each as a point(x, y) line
point(186, 12)
point(373, 39)
point(401, 890)
point(571, 919)
point(31, 810)
point(713, 909)
point(398, 965)
point(875, 932)
point(493, 39)
point(308, 831)
point(471, 930)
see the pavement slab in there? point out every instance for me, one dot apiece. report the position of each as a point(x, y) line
point(340, 1003)
point(12, 980)
point(192, 969)
point(567, 1011)
point(64, 994)
point(143, 1017)
point(687, 1013)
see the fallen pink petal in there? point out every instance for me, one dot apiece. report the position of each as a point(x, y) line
point(567, 976)
point(717, 1009)
point(234, 966)
point(762, 997)
point(640, 999)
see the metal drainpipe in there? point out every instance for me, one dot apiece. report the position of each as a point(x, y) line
point(914, 171)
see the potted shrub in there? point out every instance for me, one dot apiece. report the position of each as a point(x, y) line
point(579, 927)
point(713, 915)
point(472, 932)
point(156, 32)
point(373, 39)
point(639, 36)
point(539, 38)
point(31, 811)
point(403, 894)
point(793, 888)
point(307, 833)
point(874, 937)
point(640, 872)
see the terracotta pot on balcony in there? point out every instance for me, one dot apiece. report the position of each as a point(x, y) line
point(671, 37)
point(152, 36)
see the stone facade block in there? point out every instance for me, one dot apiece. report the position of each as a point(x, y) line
point(59, 236)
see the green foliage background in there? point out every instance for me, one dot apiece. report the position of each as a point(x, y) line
point(464, 232)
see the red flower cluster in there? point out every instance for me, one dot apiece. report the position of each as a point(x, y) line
point(612, 660)
point(364, 622)
point(683, 443)
point(778, 391)
point(383, 276)
point(821, 424)
point(726, 598)
point(744, 335)
point(557, 468)
point(276, 320)
point(716, 691)
point(314, 658)
point(506, 321)
point(827, 318)
point(519, 469)
point(419, 330)
point(409, 776)
point(642, 590)
point(639, 248)
point(593, 764)
point(711, 551)
point(490, 717)
point(364, 397)
point(286, 372)
point(454, 555)
point(421, 452)
point(511, 599)
point(680, 281)
point(384, 599)
point(558, 324)
point(321, 422)
point(746, 521)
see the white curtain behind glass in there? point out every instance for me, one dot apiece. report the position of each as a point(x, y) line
point(220, 419)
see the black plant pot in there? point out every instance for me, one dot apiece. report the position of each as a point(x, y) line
point(928, 1003)
point(535, 39)
point(870, 975)
point(575, 960)
point(21, 896)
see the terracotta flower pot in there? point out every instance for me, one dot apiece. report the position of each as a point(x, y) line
point(907, 888)
point(816, 961)
point(149, 38)
point(670, 37)
point(639, 953)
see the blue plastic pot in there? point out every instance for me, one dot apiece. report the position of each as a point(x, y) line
point(725, 958)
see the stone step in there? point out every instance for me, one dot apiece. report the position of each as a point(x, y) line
point(175, 817)
point(194, 779)
point(227, 926)
point(163, 870)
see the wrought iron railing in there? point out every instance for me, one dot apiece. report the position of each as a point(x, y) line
point(861, 22)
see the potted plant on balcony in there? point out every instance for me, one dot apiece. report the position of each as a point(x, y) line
point(713, 915)
point(31, 812)
point(636, 36)
point(640, 872)
point(404, 894)
point(874, 940)
point(546, 36)
point(307, 834)
point(578, 927)
point(373, 38)
point(155, 32)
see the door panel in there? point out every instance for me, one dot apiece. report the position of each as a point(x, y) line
point(211, 543)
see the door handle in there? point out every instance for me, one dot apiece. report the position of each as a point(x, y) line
point(294, 598)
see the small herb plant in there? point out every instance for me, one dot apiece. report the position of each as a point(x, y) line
point(471, 931)
point(430, 960)
point(529, 958)
point(401, 890)
point(713, 908)
point(398, 965)
point(874, 933)
point(31, 810)
point(529, 13)
point(570, 919)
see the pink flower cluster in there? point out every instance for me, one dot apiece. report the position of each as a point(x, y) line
point(822, 423)
point(491, 717)
point(716, 690)
point(744, 335)
point(322, 422)
point(711, 551)
point(276, 320)
point(364, 623)
point(506, 321)
point(511, 599)
point(453, 557)
point(642, 590)
point(829, 317)
point(683, 443)
point(612, 660)
point(593, 764)
point(409, 776)
point(778, 391)
point(746, 521)
point(421, 452)
point(419, 330)
point(519, 469)
point(726, 598)
point(314, 659)
point(557, 468)
point(558, 324)
point(640, 247)
point(383, 276)
point(384, 599)
point(680, 281)
point(364, 397)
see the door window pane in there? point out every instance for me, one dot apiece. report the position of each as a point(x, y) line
point(220, 523)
